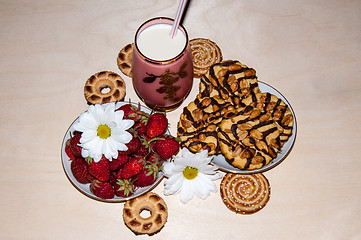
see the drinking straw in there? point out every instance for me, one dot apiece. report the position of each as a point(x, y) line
point(178, 17)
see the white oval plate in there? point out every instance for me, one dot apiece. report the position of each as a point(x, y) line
point(221, 162)
point(84, 188)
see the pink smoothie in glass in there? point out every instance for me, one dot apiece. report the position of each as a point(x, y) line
point(162, 67)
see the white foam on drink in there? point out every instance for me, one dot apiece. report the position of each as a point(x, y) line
point(156, 43)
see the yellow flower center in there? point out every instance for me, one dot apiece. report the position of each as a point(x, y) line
point(190, 173)
point(103, 131)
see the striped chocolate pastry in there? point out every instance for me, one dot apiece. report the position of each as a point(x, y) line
point(277, 108)
point(198, 124)
point(249, 139)
point(230, 80)
point(204, 139)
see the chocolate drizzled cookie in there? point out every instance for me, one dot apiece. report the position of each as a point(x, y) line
point(230, 116)
point(249, 139)
point(221, 90)
point(198, 124)
point(230, 80)
point(277, 108)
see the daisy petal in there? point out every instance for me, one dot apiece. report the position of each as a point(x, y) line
point(173, 184)
point(187, 191)
point(201, 185)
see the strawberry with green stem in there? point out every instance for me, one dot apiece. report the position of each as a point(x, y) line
point(132, 167)
point(147, 175)
point(103, 190)
point(124, 187)
point(132, 112)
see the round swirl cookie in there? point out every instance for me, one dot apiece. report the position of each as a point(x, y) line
point(104, 87)
point(245, 194)
point(230, 80)
point(249, 139)
point(205, 54)
point(278, 109)
point(151, 202)
point(124, 60)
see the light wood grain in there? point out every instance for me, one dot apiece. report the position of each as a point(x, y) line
point(309, 50)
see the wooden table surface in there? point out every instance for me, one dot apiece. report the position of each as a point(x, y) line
point(308, 50)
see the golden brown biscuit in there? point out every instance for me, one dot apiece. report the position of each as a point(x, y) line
point(124, 60)
point(104, 87)
point(245, 194)
point(230, 80)
point(278, 109)
point(151, 202)
point(249, 139)
point(205, 54)
point(198, 124)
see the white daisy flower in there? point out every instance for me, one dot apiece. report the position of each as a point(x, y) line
point(104, 131)
point(190, 174)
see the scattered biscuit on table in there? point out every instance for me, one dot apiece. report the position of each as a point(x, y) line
point(205, 53)
point(124, 60)
point(151, 225)
point(104, 87)
point(245, 194)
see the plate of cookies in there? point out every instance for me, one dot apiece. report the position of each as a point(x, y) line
point(247, 125)
point(275, 153)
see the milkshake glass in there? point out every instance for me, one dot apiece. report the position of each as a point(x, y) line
point(162, 67)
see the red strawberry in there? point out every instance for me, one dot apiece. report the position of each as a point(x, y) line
point(68, 151)
point(140, 127)
point(79, 168)
point(154, 157)
point(132, 168)
point(123, 187)
point(74, 147)
point(142, 151)
point(146, 148)
point(133, 145)
point(150, 142)
point(119, 173)
point(128, 111)
point(157, 125)
point(113, 177)
point(119, 162)
point(147, 176)
point(103, 190)
point(132, 112)
point(167, 147)
point(100, 170)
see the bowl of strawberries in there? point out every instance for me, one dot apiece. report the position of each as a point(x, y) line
point(134, 171)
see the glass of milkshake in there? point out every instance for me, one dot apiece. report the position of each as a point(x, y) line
point(162, 66)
